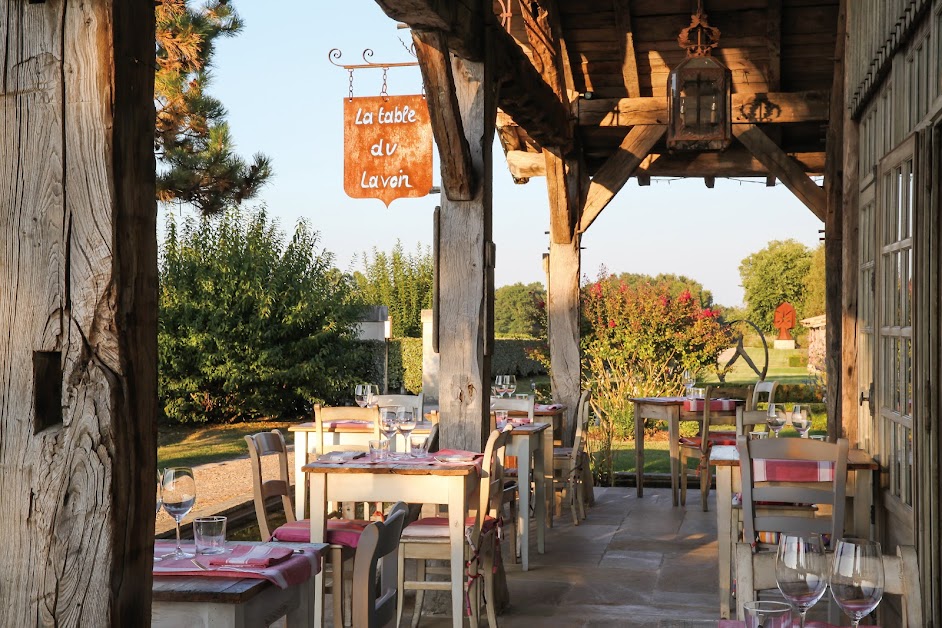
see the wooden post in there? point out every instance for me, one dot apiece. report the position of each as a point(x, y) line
point(563, 321)
point(78, 278)
point(466, 270)
point(833, 233)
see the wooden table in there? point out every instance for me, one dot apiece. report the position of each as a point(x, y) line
point(726, 458)
point(671, 410)
point(449, 484)
point(218, 602)
point(305, 450)
point(532, 444)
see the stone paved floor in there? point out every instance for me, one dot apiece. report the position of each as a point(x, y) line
point(632, 562)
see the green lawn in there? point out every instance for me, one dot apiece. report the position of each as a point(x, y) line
point(187, 446)
point(779, 370)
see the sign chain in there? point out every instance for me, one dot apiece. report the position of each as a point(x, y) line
point(350, 86)
point(383, 91)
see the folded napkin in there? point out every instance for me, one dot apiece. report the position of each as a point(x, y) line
point(252, 556)
point(348, 424)
point(456, 452)
point(543, 407)
point(340, 456)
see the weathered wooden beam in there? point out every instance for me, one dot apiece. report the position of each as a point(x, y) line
point(644, 180)
point(710, 182)
point(770, 182)
point(783, 167)
point(562, 310)
point(773, 107)
point(629, 67)
point(833, 236)
point(461, 21)
point(734, 162)
point(547, 46)
point(773, 29)
point(458, 178)
point(617, 170)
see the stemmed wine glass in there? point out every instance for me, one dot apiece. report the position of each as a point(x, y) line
point(511, 384)
point(388, 423)
point(372, 394)
point(361, 394)
point(160, 502)
point(501, 385)
point(405, 422)
point(800, 421)
point(775, 420)
point(801, 570)
point(178, 490)
point(689, 382)
point(857, 577)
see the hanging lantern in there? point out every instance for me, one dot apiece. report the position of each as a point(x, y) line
point(698, 92)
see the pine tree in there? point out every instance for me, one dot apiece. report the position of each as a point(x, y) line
point(192, 138)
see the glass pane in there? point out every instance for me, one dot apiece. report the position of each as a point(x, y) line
point(910, 190)
point(908, 468)
point(908, 377)
point(899, 204)
point(906, 287)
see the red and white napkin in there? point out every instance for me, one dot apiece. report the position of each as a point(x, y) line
point(252, 556)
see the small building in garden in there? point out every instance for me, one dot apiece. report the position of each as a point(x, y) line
point(816, 342)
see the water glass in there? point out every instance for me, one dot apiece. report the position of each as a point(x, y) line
point(379, 450)
point(417, 446)
point(361, 394)
point(178, 489)
point(405, 423)
point(800, 421)
point(768, 614)
point(209, 534)
point(801, 570)
point(775, 419)
point(857, 577)
point(500, 418)
point(388, 423)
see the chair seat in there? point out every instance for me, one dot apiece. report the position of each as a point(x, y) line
point(715, 438)
point(437, 527)
point(344, 532)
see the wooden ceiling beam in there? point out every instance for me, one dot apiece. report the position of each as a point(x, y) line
point(458, 178)
point(629, 67)
point(617, 170)
point(774, 44)
point(773, 107)
point(710, 182)
point(461, 21)
point(733, 162)
point(784, 167)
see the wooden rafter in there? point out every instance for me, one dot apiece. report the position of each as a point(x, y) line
point(458, 178)
point(734, 162)
point(782, 166)
point(617, 170)
point(462, 22)
point(774, 38)
point(774, 107)
point(629, 66)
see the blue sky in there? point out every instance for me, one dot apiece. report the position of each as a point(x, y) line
point(285, 99)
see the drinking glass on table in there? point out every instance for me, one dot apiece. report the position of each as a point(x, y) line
point(373, 394)
point(160, 501)
point(857, 577)
point(801, 570)
point(502, 385)
point(511, 385)
point(801, 421)
point(405, 422)
point(388, 423)
point(767, 614)
point(775, 419)
point(689, 382)
point(361, 394)
point(178, 489)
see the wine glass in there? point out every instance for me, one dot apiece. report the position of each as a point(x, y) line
point(501, 385)
point(801, 570)
point(388, 423)
point(361, 394)
point(689, 382)
point(800, 421)
point(372, 394)
point(178, 489)
point(405, 422)
point(857, 577)
point(160, 503)
point(775, 420)
point(511, 384)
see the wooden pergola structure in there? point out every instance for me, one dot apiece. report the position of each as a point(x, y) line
point(576, 91)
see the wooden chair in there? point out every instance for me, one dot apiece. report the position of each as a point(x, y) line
point(512, 404)
point(342, 534)
point(428, 539)
point(570, 466)
point(323, 416)
point(752, 416)
point(374, 598)
point(756, 572)
point(699, 447)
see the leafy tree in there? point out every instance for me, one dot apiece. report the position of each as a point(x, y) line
point(250, 326)
point(674, 284)
point(520, 310)
point(814, 303)
point(402, 282)
point(192, 138)
point(773, 275)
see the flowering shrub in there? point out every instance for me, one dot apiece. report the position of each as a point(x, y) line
point(636, 342)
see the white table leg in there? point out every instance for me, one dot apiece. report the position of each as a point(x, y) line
point(300, 477)
point(457, 507)
point(863, 495)
point(318, 482)
point(524, 477)
point(724, 509)
point(673, 434)
point(639, 453)
point(544, 490)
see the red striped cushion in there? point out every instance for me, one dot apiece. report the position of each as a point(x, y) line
point(344, 532)
point(438, 526)
point(716, 405)
point(716, 438)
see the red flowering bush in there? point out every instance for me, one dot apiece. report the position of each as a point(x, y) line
point(636, 342)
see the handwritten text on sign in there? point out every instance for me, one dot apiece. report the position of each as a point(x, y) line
point(387, 143)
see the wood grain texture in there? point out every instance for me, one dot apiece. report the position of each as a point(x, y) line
point(458, 180)
point(617, 170)
point(79, 269)
point(783, 167)
point(563, 325)
point(466, 282)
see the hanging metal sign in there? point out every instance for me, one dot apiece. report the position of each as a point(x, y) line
point(387, 143)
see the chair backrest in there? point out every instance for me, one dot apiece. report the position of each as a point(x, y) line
point(901, 577)
point(373, 605)
point(324, 414)
point(831, 459)
point(582, 416)
point(409, 402)
point(262, 444)
point(752, 416)
point(709, 419)
point(581, 422)
point(766, 388)
point(492, 479)
point(431, 441)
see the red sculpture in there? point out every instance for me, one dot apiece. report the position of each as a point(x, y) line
point(784, 320)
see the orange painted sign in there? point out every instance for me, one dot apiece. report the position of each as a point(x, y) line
point(387, 142)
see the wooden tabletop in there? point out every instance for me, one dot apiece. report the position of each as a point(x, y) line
point(388, 468)
point(728, 456)
point(236, 590)
point(529, 428)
